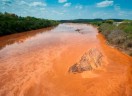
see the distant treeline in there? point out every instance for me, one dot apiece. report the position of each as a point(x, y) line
point(89, 20)
point(11, 23)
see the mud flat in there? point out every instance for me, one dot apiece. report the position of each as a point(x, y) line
point(37, 64)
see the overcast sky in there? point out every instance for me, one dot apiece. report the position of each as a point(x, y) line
point(69, 9)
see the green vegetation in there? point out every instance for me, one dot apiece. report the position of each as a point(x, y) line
point(91, 21)
point(11, 23)
point(81, 21)
point(118, 34)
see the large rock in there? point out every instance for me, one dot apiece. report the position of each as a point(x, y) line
point(89, 61)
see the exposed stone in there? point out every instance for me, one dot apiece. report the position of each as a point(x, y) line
point(89, 61)
point(78, 30)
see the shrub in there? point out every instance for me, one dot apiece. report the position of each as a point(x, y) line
point(116, 37)
point(109, 21)
point(120, 36)
point(106, 28)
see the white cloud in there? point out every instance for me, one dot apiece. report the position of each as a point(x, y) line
point(121, 13)
point(105, 3)
point(42, 9)
point(78, 6)
point(23, 3)
point(7, 2)
point(117, 7)
point(67, 4)
point(34, 4)
point(62, 1)
point(56, 12)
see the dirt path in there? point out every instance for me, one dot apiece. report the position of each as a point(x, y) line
point(36, 64)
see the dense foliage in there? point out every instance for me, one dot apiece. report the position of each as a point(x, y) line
point(11, 23)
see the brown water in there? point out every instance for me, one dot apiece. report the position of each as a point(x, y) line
point(36, 64)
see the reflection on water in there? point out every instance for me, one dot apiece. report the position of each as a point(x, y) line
point(20, 37)
point(35, 64)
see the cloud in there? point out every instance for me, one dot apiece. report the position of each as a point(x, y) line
point(33, 4)
point(37, 4)
point(42, 9)
point(7, 2)
point(78, 6)
point(62, 1)
point(67, 4)
point(56, 12)
point(121, 13)
point(23, 3)
point(105, 3)
point(117, 7)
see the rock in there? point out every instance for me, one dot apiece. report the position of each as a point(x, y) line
point(78, 30)
point(89, 61)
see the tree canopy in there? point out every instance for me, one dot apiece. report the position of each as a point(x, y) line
point(11, 23)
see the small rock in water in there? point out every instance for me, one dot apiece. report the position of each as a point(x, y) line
point(78, 30)
point(89, 61)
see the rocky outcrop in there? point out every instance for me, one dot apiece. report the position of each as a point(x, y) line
point(89, 61)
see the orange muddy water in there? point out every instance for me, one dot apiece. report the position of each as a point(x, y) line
point(36, 63)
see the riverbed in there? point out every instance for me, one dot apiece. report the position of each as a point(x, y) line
point(36, 63)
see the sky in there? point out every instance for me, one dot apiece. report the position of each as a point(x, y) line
point(69, 9)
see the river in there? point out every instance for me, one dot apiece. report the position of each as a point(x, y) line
point(36, 63)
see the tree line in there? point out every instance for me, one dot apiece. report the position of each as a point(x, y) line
point(11, 23)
